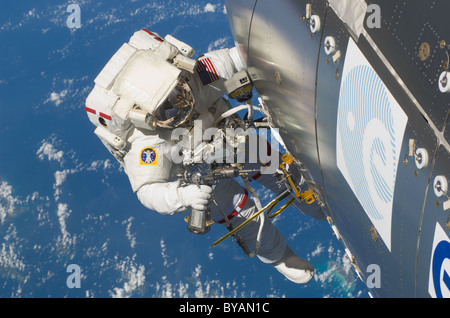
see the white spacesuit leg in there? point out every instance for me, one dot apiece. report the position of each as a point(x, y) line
point(273, 244)
point(260, 235)
point(273, 248)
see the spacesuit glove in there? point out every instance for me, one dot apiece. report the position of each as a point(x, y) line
point(194, 196)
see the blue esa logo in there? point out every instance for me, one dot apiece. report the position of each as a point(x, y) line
point(441, 253)
point(148, 156)
point(439, 278)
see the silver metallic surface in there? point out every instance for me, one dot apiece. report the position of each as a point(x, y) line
point(274, 63)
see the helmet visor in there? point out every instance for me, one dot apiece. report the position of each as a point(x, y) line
point(177, 108)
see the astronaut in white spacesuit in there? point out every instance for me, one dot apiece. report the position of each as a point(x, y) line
point(151, 87)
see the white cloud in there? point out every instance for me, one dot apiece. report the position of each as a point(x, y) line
point(164, 254)
point(319, 249)
point(48, 150)
point(133, 273)
point(63, 213)
point(10, 260)
point(99, 164)
point(131, 237)
point(8, 203)
point(66, 89)
point(199, 293)
point(57, 98)
point(167, 289)
point(218, 44)
point(11, 205)
point(328, 275)
point(210, 7)
point(60, 177)
point(183, 289)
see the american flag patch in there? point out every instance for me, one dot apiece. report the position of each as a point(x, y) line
point(206, 71)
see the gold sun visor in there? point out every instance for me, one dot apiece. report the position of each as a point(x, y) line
point(177, 108)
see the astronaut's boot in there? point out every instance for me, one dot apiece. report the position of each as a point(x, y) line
point(294, 268)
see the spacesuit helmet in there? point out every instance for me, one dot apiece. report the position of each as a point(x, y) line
point(156, 83)
point(177, 108)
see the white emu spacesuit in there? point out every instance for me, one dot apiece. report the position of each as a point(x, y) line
point(150, 87)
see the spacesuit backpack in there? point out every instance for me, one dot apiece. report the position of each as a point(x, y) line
point(139, 78)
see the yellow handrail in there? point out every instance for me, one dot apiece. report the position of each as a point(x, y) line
point(307, 196)
point(284, 207)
